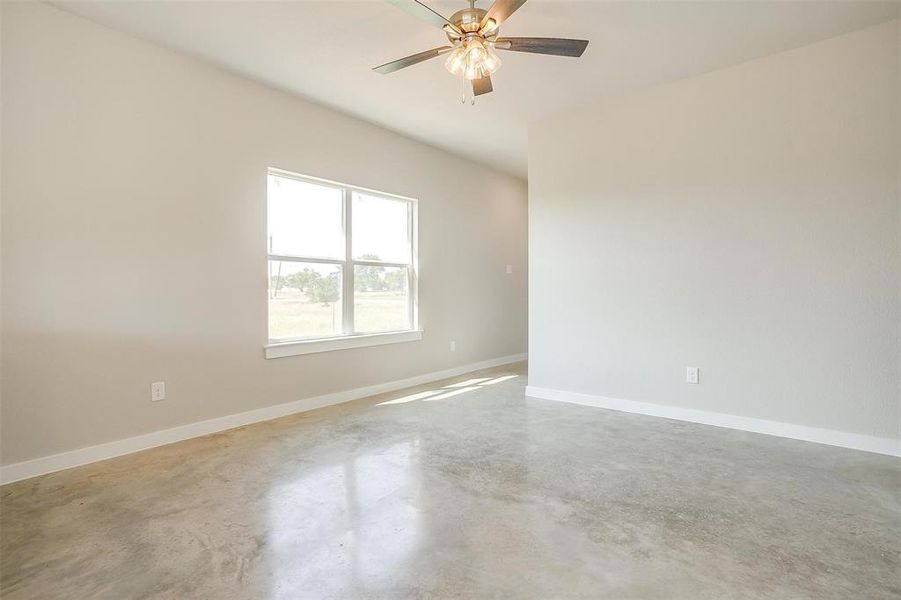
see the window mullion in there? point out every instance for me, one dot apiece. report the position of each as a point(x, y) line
point(412, 283)
point(347, 279)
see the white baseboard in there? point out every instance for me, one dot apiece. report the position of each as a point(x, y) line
point(830, 437)
point(83, 456)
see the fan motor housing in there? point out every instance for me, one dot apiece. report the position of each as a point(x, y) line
point(468, 20)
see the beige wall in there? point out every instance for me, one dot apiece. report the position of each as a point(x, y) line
point(133, 240)
point(745, 222)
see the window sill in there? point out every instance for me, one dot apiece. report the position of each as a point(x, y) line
point(282, 349)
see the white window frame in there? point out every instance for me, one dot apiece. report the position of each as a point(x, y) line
point(277, 348)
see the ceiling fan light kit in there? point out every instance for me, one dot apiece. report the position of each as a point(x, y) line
point(473, 34)
point(473, 58)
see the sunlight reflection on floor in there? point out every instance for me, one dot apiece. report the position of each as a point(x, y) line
point(499, 379)
point(451, 394)
point(411, 397)
point(468, 382)
point(449, 391)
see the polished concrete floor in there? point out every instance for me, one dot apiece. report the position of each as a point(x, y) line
point(462, 489)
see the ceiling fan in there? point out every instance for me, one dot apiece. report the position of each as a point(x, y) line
point(473, 33)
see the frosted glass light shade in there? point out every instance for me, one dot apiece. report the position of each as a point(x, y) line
point(473, 59)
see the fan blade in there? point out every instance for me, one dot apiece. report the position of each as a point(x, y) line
point(481, 86)
point(424, 13)
point(397, 65)
point(500, 11)
point(555, 46)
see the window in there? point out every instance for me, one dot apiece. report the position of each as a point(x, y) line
point(342, 266)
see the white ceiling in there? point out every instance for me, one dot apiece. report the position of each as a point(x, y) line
point(324, 51)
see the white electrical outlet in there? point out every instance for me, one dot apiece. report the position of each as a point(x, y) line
point(453, 346)
point(157, 391)
point(691, 375)
point(509, 269)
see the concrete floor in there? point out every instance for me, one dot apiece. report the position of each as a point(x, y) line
point(471, 491)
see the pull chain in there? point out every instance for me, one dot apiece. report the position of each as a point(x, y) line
point(468, 92)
